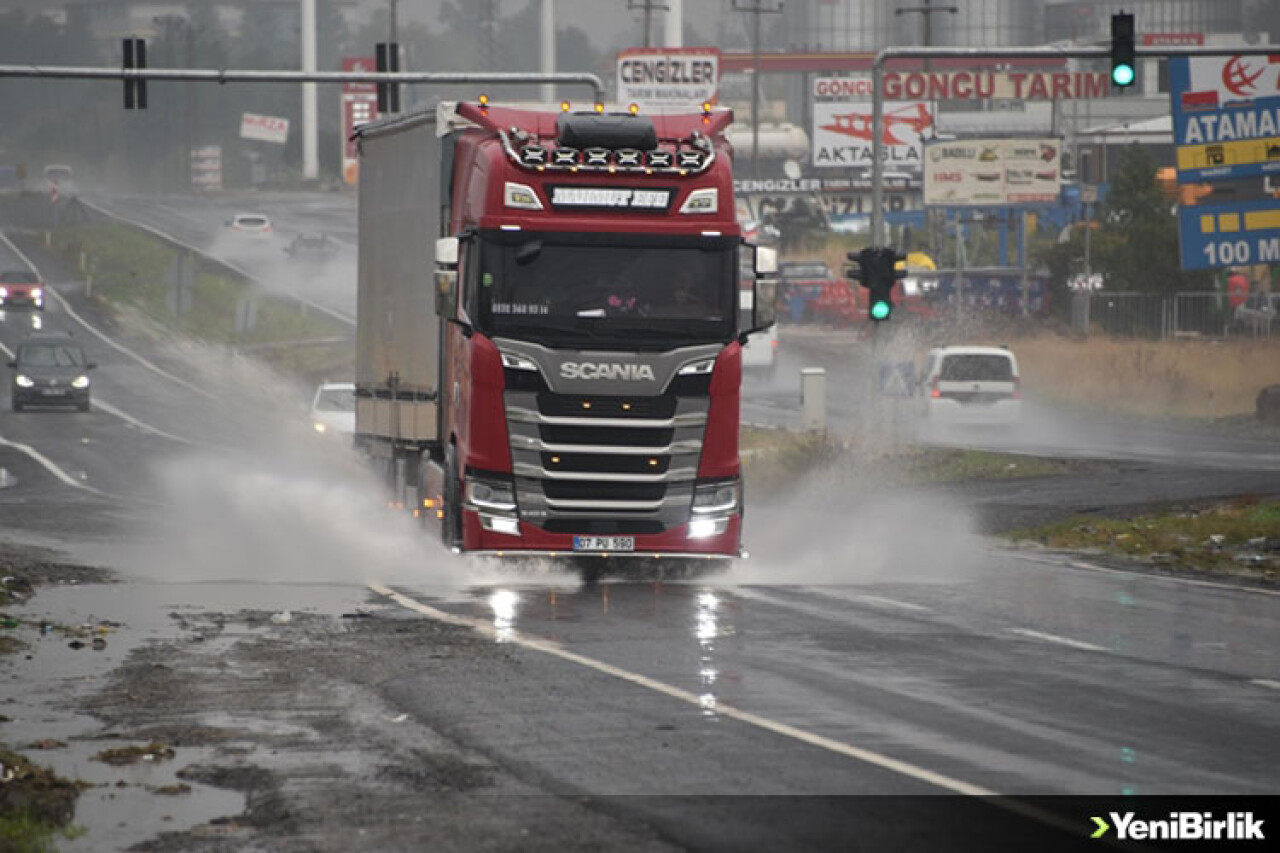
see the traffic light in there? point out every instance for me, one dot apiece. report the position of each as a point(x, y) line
point(135, 56)
point(877, 271)
point(1123, 67)
point(387, 56)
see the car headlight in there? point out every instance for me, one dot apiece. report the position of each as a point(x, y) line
point(23, 381)
point(37, 293)
point(491, 494)
point(716, 497)
point(4, 291)
point(80, 381)
point(320, 427)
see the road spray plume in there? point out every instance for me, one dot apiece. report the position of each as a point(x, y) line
point(262, 496)
point(848, 524)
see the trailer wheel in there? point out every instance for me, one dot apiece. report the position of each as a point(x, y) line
point(451, 526)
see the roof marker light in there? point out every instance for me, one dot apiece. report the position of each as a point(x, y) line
point(564, 106)
point(484, 100)
point(634, 109)
point(599, 107)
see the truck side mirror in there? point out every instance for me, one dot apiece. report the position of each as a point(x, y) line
point(764, 301)
point(447, 277)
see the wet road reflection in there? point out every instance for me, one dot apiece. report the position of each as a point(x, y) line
point(1022, 677)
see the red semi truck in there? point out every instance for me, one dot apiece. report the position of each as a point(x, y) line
point(551, 311)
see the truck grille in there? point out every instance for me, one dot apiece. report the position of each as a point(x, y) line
point(605, 464)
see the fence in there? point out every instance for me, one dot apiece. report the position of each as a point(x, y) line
point(1159, 317)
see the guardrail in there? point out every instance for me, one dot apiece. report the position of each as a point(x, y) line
point(207, 259)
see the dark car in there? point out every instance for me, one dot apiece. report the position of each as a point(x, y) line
point(21, 287)
point(311, 247)
point(50, 370)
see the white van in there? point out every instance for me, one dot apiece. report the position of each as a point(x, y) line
point(760, 355)
point(972, 385)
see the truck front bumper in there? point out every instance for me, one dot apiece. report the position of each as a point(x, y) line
point(534, 541)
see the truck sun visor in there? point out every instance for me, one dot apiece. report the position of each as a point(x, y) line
point(613, 131)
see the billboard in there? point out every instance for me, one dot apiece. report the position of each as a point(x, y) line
point(676, 77)
point(976, 172)
point(359, 106)
point(264, 128)
point(1226, 116)
point(1228, 235)
point(842, 120)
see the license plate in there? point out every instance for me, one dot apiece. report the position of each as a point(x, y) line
point(55, 392)
point(604, 543)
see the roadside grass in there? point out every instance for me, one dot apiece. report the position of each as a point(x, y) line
point(1171, 379)
point(36, 806)
point(777, 461)
point(135, 270)
point(1242, 534)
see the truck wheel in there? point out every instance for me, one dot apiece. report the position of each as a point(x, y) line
point(451, 524)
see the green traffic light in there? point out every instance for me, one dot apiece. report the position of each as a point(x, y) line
point(1122, 75)
point(880, 310)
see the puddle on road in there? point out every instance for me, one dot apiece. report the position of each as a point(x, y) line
point(47, 680)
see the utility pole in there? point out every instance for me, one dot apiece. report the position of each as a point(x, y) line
point(548, 48)
point(394, 22)
point(756, 8)
point(673, 34)
point(310, 146)
point(647, 6)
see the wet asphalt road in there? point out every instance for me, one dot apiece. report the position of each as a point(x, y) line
point(873, 644)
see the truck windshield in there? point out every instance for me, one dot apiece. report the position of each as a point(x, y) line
point(595, 290)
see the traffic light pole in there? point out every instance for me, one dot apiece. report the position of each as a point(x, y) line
point(1047, 53)
point(225, 75)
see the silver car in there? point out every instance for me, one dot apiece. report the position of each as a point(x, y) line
point(1257, 316)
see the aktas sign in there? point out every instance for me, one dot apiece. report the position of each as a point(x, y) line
point(668, 77)
point(842, 121)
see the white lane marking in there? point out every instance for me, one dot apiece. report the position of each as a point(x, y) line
point(50, 466)
point(1054, 638)
point(872, 600)
point(1144, 576)
point(102, 404)
point(1266, 682)
point(101, 336)
point(892, 602)
point(849, 750)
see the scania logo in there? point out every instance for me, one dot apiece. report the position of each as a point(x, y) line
point(605, 370)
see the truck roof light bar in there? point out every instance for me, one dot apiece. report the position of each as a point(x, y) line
point(696, 157)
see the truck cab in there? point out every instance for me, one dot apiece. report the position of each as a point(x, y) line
point(592, 315)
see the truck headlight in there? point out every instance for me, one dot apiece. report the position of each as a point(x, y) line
point(498, 495)
point(721, 497)
point(37, 294)
point(23, 381)
point(80, 381)
point(4, 291)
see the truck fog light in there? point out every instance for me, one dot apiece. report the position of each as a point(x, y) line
point(701, 528)
point(500, 524)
